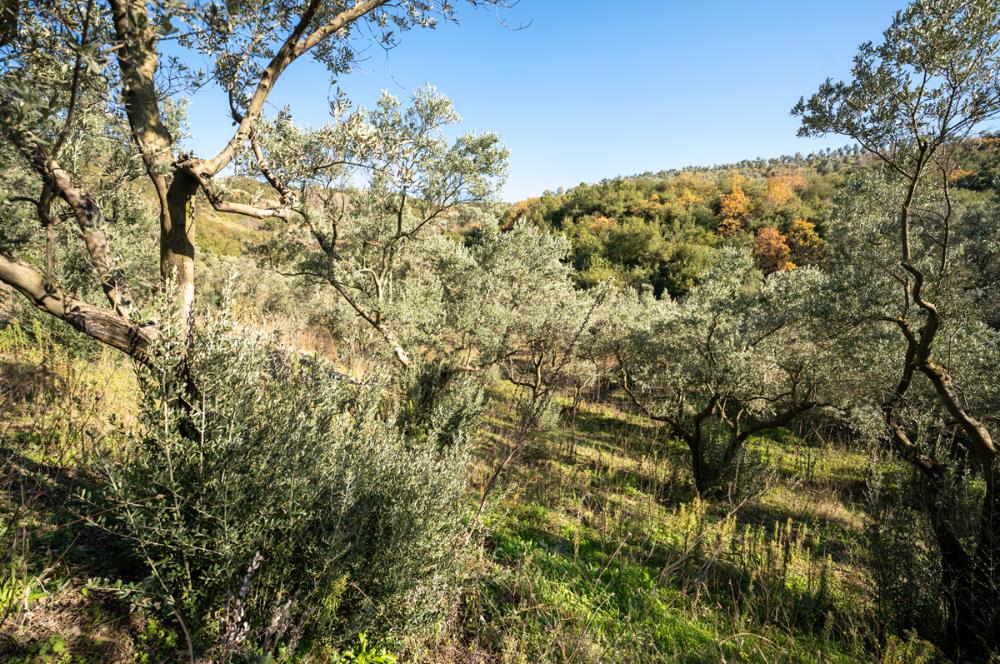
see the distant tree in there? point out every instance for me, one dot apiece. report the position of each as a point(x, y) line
point(807, 246)
point(733, 208)
point(634, 243)
point(685, 262)
point(771, 251)
point(729, 226)
point(781, 190)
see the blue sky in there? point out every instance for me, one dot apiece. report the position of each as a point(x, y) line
point(593, 89)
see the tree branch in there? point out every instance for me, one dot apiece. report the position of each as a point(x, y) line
point(294, 46)
point(101, 324)
point(220, 205)
point(88, 214)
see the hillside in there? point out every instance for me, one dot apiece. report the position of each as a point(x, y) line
point(595, 543)
point(595, 546)
point(660, 229)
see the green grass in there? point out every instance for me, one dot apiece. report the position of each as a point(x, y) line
point(597, 551)
point(224, 234)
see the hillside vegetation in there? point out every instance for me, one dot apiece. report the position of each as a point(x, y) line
point(661, 229)
point(320, 397)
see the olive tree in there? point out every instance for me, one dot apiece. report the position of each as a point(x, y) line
point(862, 293)
point(912, 102)
point(61, 58)
point(476, 303)
point(360, 241)
point(733, 358)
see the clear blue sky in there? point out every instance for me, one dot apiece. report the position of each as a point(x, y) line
point(594, 89)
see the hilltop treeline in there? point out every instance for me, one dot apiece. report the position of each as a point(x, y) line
point(661, 230)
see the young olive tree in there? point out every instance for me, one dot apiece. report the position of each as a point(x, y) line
point(550, 349)
point(474, 304)
point(61, 58)
point(360, 241)
point(507, 300)
point(913, 101)
point(733, 358)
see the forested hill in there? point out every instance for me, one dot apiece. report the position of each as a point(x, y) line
point(662, 229)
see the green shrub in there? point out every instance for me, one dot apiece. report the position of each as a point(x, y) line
point(903, 559)
point(283, 507)
point(366, 653)
point(439, 404)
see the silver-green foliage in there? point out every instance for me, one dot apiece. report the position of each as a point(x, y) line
point(284, 503)
point(476, 302)
point(736, 356)
point(412, 181)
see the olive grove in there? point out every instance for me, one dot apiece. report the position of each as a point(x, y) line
point(71, 60)
point(264, 501)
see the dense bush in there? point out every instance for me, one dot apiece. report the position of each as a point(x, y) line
point(906, 573)
point(283, 506)
point(910, 585)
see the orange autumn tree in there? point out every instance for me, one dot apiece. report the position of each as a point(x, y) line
point(733, 208)
point(808, 248)
point(599, 223)
point(771, 251)
point(782, 189)
point(688, 197)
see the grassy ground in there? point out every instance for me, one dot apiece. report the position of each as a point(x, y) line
point(598, 551)
point(61, 583)
point(595, 548)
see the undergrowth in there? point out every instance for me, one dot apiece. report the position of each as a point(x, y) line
point(593, 548)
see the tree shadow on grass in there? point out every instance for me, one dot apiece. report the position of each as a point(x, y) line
point(42, 501)
point(50, 532)
point(668, 485)
point(70, 626)
point(613, 433)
